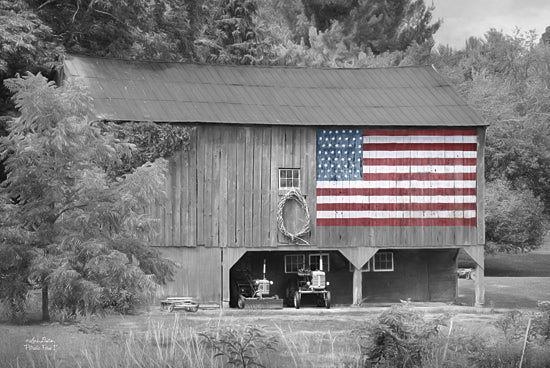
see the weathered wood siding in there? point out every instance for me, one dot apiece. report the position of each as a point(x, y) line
point(198, 273)
point(223, 192)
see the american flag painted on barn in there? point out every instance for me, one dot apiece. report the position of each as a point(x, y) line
point(396, 177)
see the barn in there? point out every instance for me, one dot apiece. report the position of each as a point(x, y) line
point(377, 174)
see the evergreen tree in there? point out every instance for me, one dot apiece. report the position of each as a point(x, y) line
point(379, 25)
point(231, 35)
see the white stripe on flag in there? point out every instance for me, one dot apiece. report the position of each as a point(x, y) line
point(420, 139)
point(426, 184)
point(419, 169)
point(396, 199)
point(419, 154)
point(396, 214)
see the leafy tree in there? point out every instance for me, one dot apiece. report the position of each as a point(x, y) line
point(378, 25)
point(67, 226)
point(27, 44)
point(137, 29)
point(231, 35)
point(513, 219)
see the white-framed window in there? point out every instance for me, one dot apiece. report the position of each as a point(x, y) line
point(294, 262)
point(383, 262)
point(289, 178)
point(314, 262)
point(365, 268)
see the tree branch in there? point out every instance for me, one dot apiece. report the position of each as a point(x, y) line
point(46, 3)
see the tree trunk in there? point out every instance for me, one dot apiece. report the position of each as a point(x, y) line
point(45, 309)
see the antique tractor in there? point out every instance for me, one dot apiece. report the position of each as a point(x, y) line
point(254, 293)
point(312, 282)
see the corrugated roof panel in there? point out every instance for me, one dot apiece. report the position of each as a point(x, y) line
point(276, 95)
point(406, 80)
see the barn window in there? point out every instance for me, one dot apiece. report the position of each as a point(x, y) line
point(365, 268)
point(383, 262)
point(289, 178)
point(293, 262)
point(314, 263)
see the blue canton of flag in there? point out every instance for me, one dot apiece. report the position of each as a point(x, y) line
point(339, 155)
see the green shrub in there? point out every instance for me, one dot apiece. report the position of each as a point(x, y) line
point(400, 337)
point(240, 347)
point(513, 218)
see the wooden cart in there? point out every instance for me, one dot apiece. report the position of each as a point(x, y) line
point(187, 303)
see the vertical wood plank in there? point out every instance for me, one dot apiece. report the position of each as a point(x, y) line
point(159, 214)
point(192, 192)
point(223, 173)
point(480, 185)
point(208, 140)
point(230, 168)
point(248, 187)
point(240, 204)
point(268, 205)
point(310, 155)
point(183, 204)
point(216, 158)
point(200, 167)
point(276, 162)
point(257, 187)
point(168, 211)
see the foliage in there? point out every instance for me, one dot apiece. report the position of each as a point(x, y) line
point(541, 324)
point(401, 337)
point(79, 232)
point(149, 29)
point(151, 141)
point(378, 25)
point(513, 218)
point(26, 44)
point(240, 347)
point(231, 35)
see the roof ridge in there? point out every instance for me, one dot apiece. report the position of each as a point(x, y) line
point(258, 66)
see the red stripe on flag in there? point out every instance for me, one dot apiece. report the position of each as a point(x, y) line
point(395, 206)
point(395, 191)
point(420, 176)
point(434, 132)
point(419, 161)
point(419, 146)
point(398, 222)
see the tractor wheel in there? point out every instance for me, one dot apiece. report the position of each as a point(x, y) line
point(171, 308)
point(297, 299)
point(240, 302)
point(327, 300)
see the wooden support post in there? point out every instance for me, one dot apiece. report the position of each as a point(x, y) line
point(479, 284)
point(478, 255)
point(357, 286)
point(229, 257)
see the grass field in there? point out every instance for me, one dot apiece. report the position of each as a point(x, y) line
point(507, 292)
point(535, 264)
point(309, 337)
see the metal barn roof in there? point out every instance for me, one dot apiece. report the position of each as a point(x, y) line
point(125, 90)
